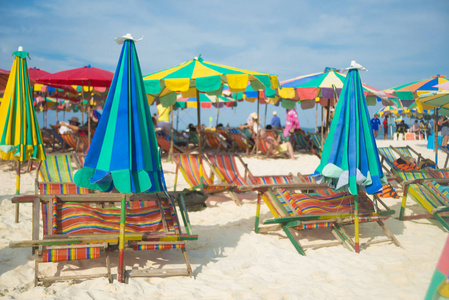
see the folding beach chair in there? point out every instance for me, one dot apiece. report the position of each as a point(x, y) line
point(78, 227)
point(165, 144)
point(267, 148)
point(297, 211)
point(54, 176)
point(317, 143)
point(189, 166)
point(227, 169)
point(432, 196)
point(241, 142)
point(446, 151)
point(214, 141)
point(72, 141)
point(409, 152)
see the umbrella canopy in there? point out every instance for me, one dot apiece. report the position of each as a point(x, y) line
point(439, 285)
point(388, 110)
point(85, 76)
point(327, 85)
point(197, 75)
point(350, 159)
point(444, 85)
point(20, 134)
point(206, 101)
point(124, 152)
point(412, 90)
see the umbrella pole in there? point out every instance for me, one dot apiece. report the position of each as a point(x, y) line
point(316, 117)
point(121, 244)
point(435, 133)
point(88, 118)
point(199, 137)
point(170, 153)
point(17, 189)
point(265, 121)
point(356, 223)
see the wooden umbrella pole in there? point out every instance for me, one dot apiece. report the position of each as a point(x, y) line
point(435, 133)
point(88, 117)
point(121, 244)
point(17, 189)
point(316, 118)
point(356, 223)
point(199, 137)
point(170, 153)
point(265, 121)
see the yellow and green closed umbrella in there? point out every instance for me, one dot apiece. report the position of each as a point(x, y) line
point(20, 138)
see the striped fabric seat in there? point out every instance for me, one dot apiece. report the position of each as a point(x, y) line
point(430, 196)
point(56, 176)
point(388, 154)
point(227, 168)
point(189, 165)
point(213, 140)
point(72, 141)
point(241, 141)
point(271, 179)
point(301, 141)
point(165, 144)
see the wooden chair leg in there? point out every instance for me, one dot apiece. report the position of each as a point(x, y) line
point(389, 233)
point(293, 240)
point(186, 259)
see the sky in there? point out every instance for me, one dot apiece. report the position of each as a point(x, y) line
point(398, 41)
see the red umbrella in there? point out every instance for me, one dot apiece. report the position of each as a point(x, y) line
point(85, 76)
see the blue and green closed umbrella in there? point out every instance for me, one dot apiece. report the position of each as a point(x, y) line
point(20, 138)
point(124, 153)
point(350, 160)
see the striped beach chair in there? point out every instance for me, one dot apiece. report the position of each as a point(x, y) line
point(189, 166)
point(295, 211)
point(432, 196)
point(84, 226)
point(266, 147)
point(241, 142)
point(165, 144)
point(54, 176)
point(214, 141)
point(72, 141)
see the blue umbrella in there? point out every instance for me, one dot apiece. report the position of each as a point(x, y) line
point(350, 159)
point(124, 153)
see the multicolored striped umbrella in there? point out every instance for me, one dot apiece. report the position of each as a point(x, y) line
point(206, 101)
point(350, 160)
point(439, 285)
point(327, 84)
point(124, 153)
point(20, 138)
point(388, 110)
point(412, 90)
point(444, 85)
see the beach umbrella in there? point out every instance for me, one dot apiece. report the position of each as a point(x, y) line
point(197, 76)
point(325, 86)
point(439, 284)
point(124, 153)
point(438, 100)
point(86, 76)
point(388, 110)
point(444, 85)
point(20, 138)
point(350, 159)
point(412, 90)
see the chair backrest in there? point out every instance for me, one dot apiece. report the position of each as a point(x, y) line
point(189, 165)
point(317, 140)
point(301, 141)
point(213, 141)
point(264, 146)
point(164, 143)
point(387, 153)
point(405, 151)
point(56, 168)
point(226, 166)
point(240, 140)
point(72, 141)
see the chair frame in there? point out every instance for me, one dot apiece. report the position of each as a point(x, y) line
point(108, 242)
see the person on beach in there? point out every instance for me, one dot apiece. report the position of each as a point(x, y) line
point(278, 147)
point(444, 123)
point(385, 123)
point(401, 128)
point(415, 129)
point(292, 122)
point(375, 124)
point(71, 127)
point(275, 121)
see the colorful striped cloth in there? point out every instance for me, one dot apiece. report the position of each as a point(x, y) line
point(55, 255)
point(227, 167)
point(270, 179)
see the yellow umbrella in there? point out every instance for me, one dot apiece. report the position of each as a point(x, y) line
point(20, 136)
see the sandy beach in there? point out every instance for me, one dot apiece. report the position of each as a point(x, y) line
point(231, 261)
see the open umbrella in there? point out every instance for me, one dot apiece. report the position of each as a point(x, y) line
point(439, 285)
point(20, 138)
point(124, 153)
point(410, 91)
point(388, 110)
point(85, 76)
point(350, 160)
point(199, 76)
point(444, 85)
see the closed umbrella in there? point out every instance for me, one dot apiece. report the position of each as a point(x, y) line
point(20, 138)
point(124, 153)
point(350, 159)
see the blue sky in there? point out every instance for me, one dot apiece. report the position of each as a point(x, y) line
point(397, 41)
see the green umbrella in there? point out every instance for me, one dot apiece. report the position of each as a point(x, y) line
point(20, 138)
point(350, 159)
point(124, 153)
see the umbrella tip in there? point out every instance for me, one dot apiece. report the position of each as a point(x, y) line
point(20, 48)
point(355, 65)
point(121, 39)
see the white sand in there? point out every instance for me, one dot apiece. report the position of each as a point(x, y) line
point(230, 261)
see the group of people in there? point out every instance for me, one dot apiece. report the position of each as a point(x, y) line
point(401, 127)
